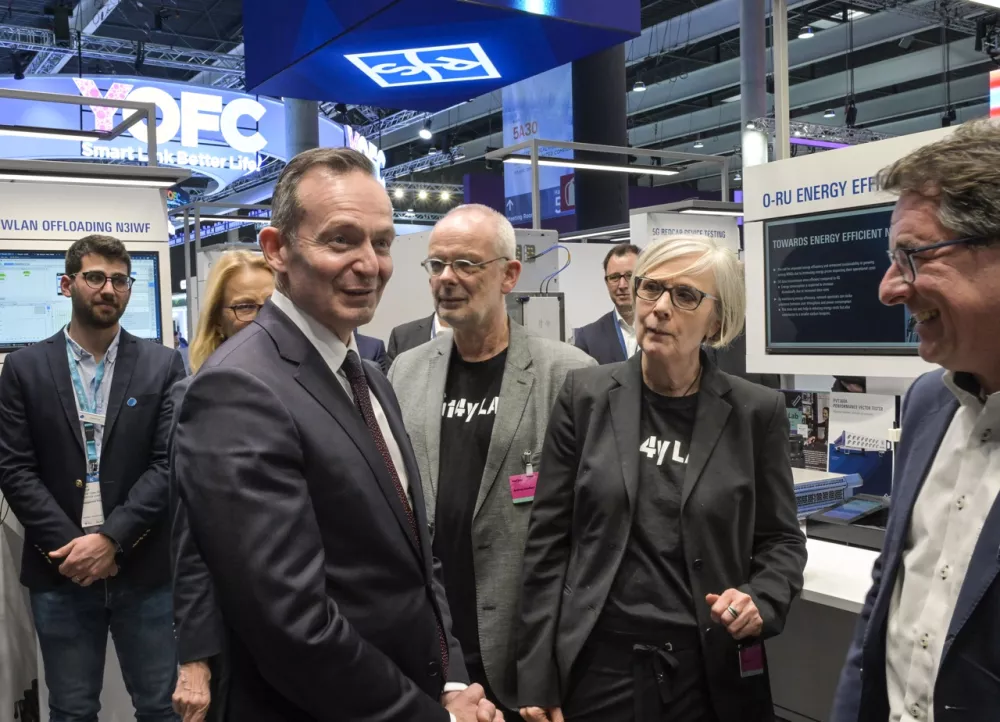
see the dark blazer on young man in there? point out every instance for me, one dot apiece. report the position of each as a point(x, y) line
point(43, 463)
point(409, 335)
point(331, 609)
point(372, 349)
point(738, 525)
point(967, 688)
point(600, 339)
point(533, 374)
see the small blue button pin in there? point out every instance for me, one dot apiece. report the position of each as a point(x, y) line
point(131, 401)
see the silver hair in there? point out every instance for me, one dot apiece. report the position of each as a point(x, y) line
point(504, 241)
point(727, 268)
point(961, 173)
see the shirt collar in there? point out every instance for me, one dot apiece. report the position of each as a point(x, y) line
point(966, 389)
point(621, 321)
point(80, 353)
point(330, 347)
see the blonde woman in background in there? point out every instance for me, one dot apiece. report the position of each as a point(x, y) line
point(238, 285)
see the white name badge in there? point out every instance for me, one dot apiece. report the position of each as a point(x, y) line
point(95, 419)
point(93, 510)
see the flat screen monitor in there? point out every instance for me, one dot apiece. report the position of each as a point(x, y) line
point(822, 277)
point(32, 306)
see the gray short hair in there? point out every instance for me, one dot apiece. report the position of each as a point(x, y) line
point(962, 173)
point(731, 307)
point(286, 211)
point(505, 243)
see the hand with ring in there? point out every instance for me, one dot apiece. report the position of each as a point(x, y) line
point(737, 612)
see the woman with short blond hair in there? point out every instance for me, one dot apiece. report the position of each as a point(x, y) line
point(663, 546)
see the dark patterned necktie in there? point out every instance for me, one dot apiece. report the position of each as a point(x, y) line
point(355, 373)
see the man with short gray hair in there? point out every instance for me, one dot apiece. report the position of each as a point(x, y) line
point(928, 635)
point(476, 405)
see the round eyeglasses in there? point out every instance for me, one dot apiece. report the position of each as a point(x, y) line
point(902, 258)
point(685, 298)
point(96, 280)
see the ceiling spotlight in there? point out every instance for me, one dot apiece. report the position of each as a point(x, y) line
point(738, 176)
point(409, 212)
point(398, 193)
point(639, 87)
point(432, 151)
point(18, 62)
point(806, 33)
point(751, 126)
point(798, 133)
point(422, 195)
point(830, 114)
point(425, 132)
point(445, 196)
point(699, 144)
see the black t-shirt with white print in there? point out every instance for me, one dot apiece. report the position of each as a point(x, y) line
point(471, 398)
point(652, 586)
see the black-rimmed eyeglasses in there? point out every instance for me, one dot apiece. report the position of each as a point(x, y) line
point(246, 311)
point(902, 258)
point(685, 298)
point(462, 267)
point(96, 280)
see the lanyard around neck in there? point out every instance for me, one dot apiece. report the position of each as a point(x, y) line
point(86, 402)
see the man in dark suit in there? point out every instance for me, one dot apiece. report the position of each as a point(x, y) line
point(372, 349)
point(84, 424)
point(611, 338)
point(928, 635)
point(412, 334)
point(300, 485)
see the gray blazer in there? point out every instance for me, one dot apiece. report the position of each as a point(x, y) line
point(535, 371)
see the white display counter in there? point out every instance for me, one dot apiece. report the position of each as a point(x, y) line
point(805, 661)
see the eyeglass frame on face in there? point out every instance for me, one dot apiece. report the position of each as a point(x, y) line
point(114, 277)
point(637, 281)
point(470, 268)
point(610, 278)
point(909, 253)
point(255, 306)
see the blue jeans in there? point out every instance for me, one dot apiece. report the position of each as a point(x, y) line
point(73, 624)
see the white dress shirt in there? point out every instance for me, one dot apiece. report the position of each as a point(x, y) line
point(334, 351)
point(628, 333)
point(948, 516)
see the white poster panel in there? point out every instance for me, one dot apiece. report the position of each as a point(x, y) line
point(648, 227)
point(54, 212)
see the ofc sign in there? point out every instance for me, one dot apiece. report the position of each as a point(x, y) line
point(217, 133)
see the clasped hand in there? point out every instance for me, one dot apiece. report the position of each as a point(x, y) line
point(87, 559)
point(471, 705)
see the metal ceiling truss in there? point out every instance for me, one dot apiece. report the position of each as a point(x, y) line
point(38, 40)
point(87, 17)
point(819, 131)
point(428, 162)
point(416, 216)
point(939, 12)
point(414, 187)
point(392, 122)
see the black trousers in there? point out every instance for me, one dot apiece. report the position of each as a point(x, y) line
point(640, 677)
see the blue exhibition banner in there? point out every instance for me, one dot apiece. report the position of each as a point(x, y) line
point(539, 107)
point(217, 133)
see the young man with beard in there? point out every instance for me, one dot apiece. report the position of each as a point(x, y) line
point(84, 421)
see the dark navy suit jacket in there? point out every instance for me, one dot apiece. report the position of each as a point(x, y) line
point(600, 340)
point(372, 349)
point(968, 681)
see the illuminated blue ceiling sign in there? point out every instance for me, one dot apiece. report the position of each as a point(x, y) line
point(363, 52)
point(220, 134)
point(426, 66)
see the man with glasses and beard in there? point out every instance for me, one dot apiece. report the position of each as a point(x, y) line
point(84, 421)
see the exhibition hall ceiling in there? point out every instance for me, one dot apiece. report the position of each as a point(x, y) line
point(687, 57)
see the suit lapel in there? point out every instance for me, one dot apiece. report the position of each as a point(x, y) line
point(626, 404)
point(59, 367)
point(982, 571)
point(710, 419)
point(437, 379)
point(128, 352)
point(615, 341)
point(515, 389)
point(321, 383)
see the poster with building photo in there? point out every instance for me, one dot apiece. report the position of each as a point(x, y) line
point(808, 425)
point(859, 425)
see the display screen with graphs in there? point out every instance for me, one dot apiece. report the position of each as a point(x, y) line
point(32, 306)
